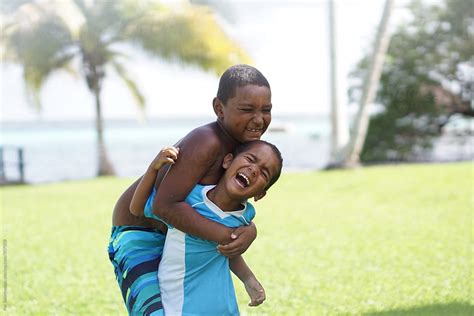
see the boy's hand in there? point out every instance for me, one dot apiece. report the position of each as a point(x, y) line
point(255, 291)
point(243, 237)
point(166, 155)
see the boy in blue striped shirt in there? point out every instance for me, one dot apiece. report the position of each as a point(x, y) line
point(194, 277)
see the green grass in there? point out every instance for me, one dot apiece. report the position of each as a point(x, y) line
point(394, 240)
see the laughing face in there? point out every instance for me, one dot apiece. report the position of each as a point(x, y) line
point(247, 114)
point(249, 173)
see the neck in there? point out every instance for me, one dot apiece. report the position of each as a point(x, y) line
point(220, 198)
point(231, 140)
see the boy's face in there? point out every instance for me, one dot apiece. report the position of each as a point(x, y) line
point(247, 114)
point(249, 173)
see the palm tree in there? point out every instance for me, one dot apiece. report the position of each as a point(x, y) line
point(352, 153)
point(339, 126)
point(47, 36)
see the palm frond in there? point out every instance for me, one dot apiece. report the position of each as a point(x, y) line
point(42, 37)
point(104, 19)
point(131, 85)
point(190, 35)
point(35, 77)
point(41, 43)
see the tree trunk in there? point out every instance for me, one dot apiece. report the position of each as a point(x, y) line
point(339, 128)
point(105, 167)
point(352, 157)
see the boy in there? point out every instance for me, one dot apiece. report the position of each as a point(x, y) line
point(243, 109)
point(194, 278)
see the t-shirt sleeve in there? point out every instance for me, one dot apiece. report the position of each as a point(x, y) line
point(148, 211)
point(249, 213)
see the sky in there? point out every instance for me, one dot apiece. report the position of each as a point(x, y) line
point(287, 40)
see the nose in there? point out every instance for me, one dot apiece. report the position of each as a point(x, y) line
point(253, 172)
point(258, 118)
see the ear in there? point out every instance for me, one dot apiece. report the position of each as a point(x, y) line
point(218, 107)
point(259, 196)
point(227, 161)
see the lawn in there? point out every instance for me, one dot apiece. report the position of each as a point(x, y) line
point(391, 240)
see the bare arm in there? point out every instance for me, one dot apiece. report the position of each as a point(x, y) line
point(240, 268)
point(145, 187)
point(198, 154)
point(252, 286)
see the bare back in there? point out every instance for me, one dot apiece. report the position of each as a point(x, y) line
point(200, 161)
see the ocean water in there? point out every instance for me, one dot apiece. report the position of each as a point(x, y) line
point(56, 151)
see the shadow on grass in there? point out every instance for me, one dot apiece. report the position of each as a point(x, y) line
point(448, 309)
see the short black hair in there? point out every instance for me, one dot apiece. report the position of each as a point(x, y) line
point(244, 146)
point(239, 76)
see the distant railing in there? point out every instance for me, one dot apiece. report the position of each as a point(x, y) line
point(11, 157)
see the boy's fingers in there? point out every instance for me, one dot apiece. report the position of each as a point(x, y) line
point(236, 244)
point(172, 156)
point(236, 233)
point(254, 303)
point(174, 150)
point(230, 255)
point(229, 248)
point(171, 151)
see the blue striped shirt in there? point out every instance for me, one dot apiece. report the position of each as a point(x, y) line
point(194, 277)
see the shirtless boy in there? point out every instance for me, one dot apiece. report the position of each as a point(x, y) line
point(243, 109)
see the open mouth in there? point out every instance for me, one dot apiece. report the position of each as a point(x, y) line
point(242, 179)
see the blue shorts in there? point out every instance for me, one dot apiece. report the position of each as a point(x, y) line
point(135, 253)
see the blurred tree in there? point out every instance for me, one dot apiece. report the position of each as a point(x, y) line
point(351, 153)
point(339, 124)
point(428, 77)
point(44, 37)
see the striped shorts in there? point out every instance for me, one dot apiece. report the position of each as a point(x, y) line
point(135, 253)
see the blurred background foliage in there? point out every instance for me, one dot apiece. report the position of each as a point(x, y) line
point(427, 81)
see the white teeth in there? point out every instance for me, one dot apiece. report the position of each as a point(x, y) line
point(245, 177)
point(254, 129)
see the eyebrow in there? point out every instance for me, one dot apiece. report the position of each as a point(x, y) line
point(252, 155)
point(250, 104)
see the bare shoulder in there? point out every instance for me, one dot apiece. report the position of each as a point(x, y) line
point(199, 159)
point(208, 133)
point(203, 142)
